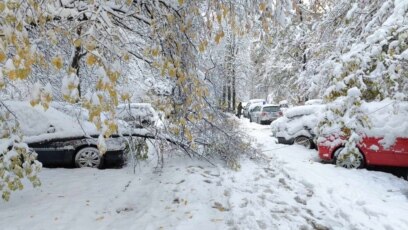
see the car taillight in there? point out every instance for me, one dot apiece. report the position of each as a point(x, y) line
point(263, 114)
point(280, 113)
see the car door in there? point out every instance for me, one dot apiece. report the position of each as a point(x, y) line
point(376, 154)
point(51, 153)
point(246, 108)
point(401, 151)
point(255, 113)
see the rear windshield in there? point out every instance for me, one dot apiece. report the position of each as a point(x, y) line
point(271, 109)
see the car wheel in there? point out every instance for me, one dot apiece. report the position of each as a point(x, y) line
point(348, 160)
point(303, 141)
point(88, 157)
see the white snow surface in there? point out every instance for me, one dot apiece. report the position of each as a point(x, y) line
point(36, 122)
point(289, 189)
point(387, 117)
point(303, 110)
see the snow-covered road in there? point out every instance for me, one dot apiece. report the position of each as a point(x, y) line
point(289, 189)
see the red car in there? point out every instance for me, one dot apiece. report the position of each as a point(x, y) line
point(371, 150)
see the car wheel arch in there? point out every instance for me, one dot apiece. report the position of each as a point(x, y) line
point(77, 149)
point(303, 136)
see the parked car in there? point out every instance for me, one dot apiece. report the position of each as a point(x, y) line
point(138, 115)
point(250, 104)
point(371, 152)
point(297, 125)
point(265, 114)
point(284, 104)
point(61, 140)
point(384, 143)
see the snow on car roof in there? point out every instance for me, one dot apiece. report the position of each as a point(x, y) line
point(270, 105)
point(303, 110)
point(256, 100)
point(314, 102)
point(253, 105)
point(36, 123)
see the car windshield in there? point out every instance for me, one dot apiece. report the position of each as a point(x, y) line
point(271, 109)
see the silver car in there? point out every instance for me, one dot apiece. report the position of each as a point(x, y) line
point(250, 105)
point(265, 114)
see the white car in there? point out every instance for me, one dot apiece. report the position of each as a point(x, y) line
point(297, 125)
point(265, 114)
point(138, 115)
point(250, 105)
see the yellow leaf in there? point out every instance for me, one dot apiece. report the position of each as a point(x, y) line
point(217, 39)
point(2, 6)
point(202, 46)
point(172, 72)
point(219, 17)
point(262, 6)
point(34, 102)
point(170, 18)
point(180, 2)
point(224, 10)
point(57, 62)
point(77, 43)
point(155, 52)
point(2, 56)
point(125, 96)
point(126, 57)
point(91, 60)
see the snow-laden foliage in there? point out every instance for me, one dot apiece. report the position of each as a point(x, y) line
point(365, 65)
point(87, 52)
point(347, 52)
point(17, 161)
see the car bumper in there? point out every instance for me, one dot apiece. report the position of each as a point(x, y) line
point(267, 119)
point(114, 158)
point(325, 153)
point(282, 140)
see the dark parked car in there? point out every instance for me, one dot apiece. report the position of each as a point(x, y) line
point(61, 140)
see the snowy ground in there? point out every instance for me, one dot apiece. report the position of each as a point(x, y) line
point(289, 190)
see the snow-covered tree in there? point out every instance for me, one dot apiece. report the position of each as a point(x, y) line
point(79, 51)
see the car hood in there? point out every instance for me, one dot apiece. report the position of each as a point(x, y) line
point(38, 124)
